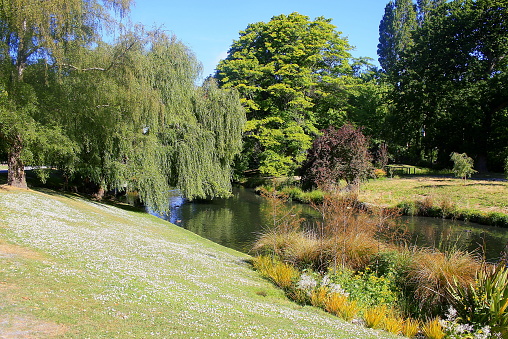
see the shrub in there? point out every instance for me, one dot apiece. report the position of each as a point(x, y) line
point(338, 154)
point(379, 173)
point(366, 287)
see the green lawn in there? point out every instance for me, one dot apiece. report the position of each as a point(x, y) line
point(489, 195)
point(72, 268)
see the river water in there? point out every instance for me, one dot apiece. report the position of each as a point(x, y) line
point(237, 221)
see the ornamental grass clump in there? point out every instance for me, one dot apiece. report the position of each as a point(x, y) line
point(374, 317)
point(433, 329)
point(410, 327)
point(430, 274)
point(280, 273)
point(393, 323)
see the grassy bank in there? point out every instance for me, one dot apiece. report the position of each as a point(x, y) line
point(478, 200)
point(481, 200)
point(72, 268)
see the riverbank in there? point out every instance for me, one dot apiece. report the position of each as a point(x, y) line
point(74, 268)
point(479, 200)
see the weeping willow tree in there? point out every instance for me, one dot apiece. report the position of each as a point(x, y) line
point(123, 115)
point(143, 125)
point(34, 36)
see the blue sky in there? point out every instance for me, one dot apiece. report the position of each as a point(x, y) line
point(209, 27)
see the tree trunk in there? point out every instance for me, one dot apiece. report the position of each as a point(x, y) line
point(16, 170)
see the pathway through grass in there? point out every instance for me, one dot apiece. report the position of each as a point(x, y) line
point(71, 268)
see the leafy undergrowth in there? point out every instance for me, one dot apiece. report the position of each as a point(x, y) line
point(72, 268)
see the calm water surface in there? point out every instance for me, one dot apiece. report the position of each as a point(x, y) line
point(237, 221)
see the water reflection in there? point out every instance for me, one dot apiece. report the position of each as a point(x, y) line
point(236, 222)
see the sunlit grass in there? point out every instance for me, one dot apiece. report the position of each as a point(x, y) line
point(71, 268)
point(482, 195)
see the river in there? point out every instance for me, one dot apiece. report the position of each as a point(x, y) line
point(237, 221)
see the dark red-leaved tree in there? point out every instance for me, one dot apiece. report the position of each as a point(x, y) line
point(339, 154)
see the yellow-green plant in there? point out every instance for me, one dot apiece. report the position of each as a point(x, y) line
point(349, 310)
point(393, 324)
point(433, 329)
point(319, 296)
point(335, 303)
point(410, 327)
point(374, 317)
point(282, 274)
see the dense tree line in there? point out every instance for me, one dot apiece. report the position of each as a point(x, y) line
point(127, 114)
point(446, 65)
point(122, 115)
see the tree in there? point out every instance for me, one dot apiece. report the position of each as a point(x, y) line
point(139, 122)
point(395, 29)
point(339, 154)
point(290, 68)
point(462, 165)
point(37, 35)
point(454, 79)
point(143, 125)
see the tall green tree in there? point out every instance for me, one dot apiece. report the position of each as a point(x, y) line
point(38, 34)
point(292, 68)
point(395, 30)
point(454, 79)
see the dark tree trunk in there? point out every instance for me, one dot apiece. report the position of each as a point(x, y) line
point(16, 170)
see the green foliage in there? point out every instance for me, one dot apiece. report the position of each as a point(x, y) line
point(294, 76)
point(367, 287)
point(139, 122)
point(462, 165)
point(506, 167)
point(449, 80)
point(283, 145)
point(484, 302)
point(34, 38)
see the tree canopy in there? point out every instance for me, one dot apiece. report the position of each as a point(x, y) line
point(122, 115)
point(449, 86)
point(293, 69)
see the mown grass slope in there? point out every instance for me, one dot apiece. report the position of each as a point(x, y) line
point(72, 268)
point(488, 195)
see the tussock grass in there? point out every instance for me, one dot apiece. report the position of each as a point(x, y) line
point(94, 271)
point(374, 317)
point(433, 329)
point(431, 272)
point(410, 327)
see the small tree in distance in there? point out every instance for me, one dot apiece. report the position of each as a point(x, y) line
point(462, 165)
point(339, 154)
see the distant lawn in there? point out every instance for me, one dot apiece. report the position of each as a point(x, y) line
point(489, 195)
point(72, 268)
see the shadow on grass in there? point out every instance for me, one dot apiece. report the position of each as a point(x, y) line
point(54, 187)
